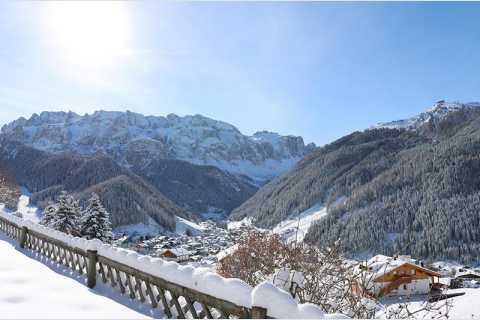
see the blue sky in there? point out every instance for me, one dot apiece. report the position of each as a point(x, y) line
point(320, 70)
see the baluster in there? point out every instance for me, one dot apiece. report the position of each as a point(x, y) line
point(190, 305)
point(130, 287)
point(111, 277)
point(166, 307)
point(120, 282)
point(175, 302)
point(153, 301)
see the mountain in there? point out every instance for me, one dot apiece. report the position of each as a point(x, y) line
point(129, 198)
point(409, 186)
point(132, 139)
point(432, 117)
point(204, 190)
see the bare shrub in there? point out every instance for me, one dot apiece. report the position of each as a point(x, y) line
point(327, 279)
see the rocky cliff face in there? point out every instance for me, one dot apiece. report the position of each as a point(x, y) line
point(136, 140)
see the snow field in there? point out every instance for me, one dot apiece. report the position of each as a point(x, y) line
point(295, 228)
point(33, 290)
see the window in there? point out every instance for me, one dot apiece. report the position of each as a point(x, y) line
point(413, 271)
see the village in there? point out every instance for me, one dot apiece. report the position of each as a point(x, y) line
point(202, 247)
point(400, 275)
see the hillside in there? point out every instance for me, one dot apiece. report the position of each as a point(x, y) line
point(413, 189)
point(203, 190)
point(128, 197)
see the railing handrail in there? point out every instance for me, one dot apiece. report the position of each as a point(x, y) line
point(95, 259)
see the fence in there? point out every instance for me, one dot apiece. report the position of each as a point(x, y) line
point(175, 300)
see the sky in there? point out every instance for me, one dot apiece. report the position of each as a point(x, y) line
point(319, 70)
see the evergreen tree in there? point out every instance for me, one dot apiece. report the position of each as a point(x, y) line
point(95, 222)
point(49, 214)
point(66, 216)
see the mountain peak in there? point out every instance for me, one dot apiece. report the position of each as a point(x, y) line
point(435, 114)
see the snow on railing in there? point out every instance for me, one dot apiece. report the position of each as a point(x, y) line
point(183, 291)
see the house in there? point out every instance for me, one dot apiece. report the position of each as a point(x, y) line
point(466, 278)
point(399, 275)
point(175, 254)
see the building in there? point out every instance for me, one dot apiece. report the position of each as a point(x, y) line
point(175, 254)
point(398, 275)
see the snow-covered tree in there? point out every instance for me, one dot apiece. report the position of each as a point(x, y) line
point(49, 214)
point(67, 214)
point(95, 222)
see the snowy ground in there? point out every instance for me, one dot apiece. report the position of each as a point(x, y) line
point(182, 225)
point(296, 227)
point(463, 307)
point(34, 289)
point(28, 212)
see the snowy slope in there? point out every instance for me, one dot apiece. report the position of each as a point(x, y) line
point(33, 290)
point(28, 211)
point(182, 225)
point(134, 140)
point(296, 227)
point(435, 114)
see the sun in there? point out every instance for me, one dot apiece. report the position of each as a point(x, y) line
point(89, 34)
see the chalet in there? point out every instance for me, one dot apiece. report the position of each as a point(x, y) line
point(465, 278)
point(175, 254)
point(399, 275)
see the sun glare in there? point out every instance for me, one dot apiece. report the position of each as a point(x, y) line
point(90, 34)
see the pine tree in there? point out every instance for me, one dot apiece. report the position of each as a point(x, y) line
point(95, 222)
point(66, 216)
point(49, 214)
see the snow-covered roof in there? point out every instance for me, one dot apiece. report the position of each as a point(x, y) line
point(179, 252)
point(222, 254)
point(380, 265)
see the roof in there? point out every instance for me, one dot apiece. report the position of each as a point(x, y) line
point(177, 252)
point(228, 251)
point(380, 265)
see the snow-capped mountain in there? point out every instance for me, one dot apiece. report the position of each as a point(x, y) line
point(433, 116)
point(135, 140)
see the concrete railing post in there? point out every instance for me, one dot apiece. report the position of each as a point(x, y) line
point(92, 268)
point(259, 313)
point(23, 236)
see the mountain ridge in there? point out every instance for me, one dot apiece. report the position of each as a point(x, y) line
point(128, 136)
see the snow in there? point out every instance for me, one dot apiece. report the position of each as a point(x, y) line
point(247, 221)
point(32, 290)
point(225, 253)
point(182, 225)
point(280, 304)
point(28, 212)
point(196, 139)
point(296, 227)
point(169, 270)
point(436, 113)
point(380, 264)
point(464, 307)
